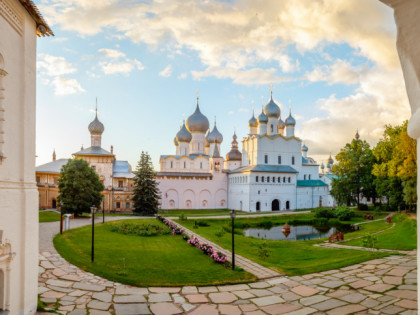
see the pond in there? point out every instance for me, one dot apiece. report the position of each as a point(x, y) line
point(297, 233)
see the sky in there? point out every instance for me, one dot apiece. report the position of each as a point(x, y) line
point(334, 62)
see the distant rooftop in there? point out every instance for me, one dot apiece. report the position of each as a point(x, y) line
point(265, 168)
point(122, 169)
point(94, 151)
point(53, 167)
point(311, 183)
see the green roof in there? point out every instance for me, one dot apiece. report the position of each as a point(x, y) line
point(311, 183)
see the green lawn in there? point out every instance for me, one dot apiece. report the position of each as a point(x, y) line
point(163, 260)
point(290, 257)
point(48, 216)
point(402, 237)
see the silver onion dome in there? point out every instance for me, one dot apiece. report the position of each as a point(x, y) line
point(206, 139)
point(96, 127)
point(262, 118)
point(197, 122)
point(234, 154)
point(304, 148)
point(330, 160)
point(215, 136)
point(290, 121)
point(322, 166)
point(183, 134)
point(281, 124)
point(271, 109)
point(253, 122)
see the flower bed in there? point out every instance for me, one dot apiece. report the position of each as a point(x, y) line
point(218, 257)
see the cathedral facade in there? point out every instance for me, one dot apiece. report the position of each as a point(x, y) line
point(272, 173)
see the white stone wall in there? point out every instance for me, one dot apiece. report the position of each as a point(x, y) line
point(18, 191)
point(309, 197)
point(185, 164)
point(182, 192)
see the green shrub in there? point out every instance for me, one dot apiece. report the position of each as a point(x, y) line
point(203, 223)
point(219, 233)
point(369, 241)
point(263, 251)
point(182, 217)
point(140, 229)
point(343, 213)
point(324, 213)
point(363, 207)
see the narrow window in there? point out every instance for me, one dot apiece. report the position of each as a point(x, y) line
point(293, 160)
point(185, 164)
point(266, 159)
point(289, 179)
point(272, 128)
point(38, 179)
point(304, 177)
point(201, 164)
point(118, 205)
point(268, 179)
point(284, 179)
point(262, 179)
point(279, 159)
point(172, 164)
point(274, 179)
point(278, 179)
point(256, 179)
point(120, 183)
point(309, 176)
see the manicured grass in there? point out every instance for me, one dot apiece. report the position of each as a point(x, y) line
point(48, 216)
point(402, 237)
point(163, 260)
point(290, 257)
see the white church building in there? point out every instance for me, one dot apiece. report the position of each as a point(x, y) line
point(272, 173)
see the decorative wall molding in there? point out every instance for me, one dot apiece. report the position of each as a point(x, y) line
point(12, 15)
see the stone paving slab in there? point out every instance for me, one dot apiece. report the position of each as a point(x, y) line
point(381, 286)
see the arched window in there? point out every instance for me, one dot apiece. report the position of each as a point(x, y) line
point(268, 179)
point(272, 128)
point(262, 179)
point(266, 159)
point(258, 206)
point(284, 179)
point(304, 177)
point(274, 179)
point(278, 179)
point(309, 176)
point(172, 164)
point(293, 160)
point(289, 179)
point(185, 164)
point(201, 164)
point(256, 179)
point(279, 159)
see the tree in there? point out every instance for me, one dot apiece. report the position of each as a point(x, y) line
point(396, 167)
point(354, 173)
point(79, 187)
point(146, 194)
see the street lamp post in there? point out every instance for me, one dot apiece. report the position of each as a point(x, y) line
point(103, 208)
point(93, 210)
point(233, 215)
point(61, 217)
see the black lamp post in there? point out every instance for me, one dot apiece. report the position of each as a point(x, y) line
point(233, 215)
point(103, 208)
point(93, 210)
point(61, 217)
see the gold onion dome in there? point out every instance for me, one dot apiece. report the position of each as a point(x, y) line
point(96, 127)
point(234, 154)
point(271, 109)
point(197, 122)
point(183, 134)
point(215, 136)
point(206, 139)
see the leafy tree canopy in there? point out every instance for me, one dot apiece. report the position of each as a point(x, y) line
point(79, 187)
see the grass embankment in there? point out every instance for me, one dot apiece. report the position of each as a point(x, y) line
point(401, 237)
point(290, 257)
point(48, 216)
point(163, 260)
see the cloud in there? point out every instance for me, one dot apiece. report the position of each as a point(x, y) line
point(53, 65)
point(167, 72)
point(368, 109)
point(111, 53)
point(124, 67)
point(182, 75)
point(65, 86)
point(246, 77)
point(341, 71)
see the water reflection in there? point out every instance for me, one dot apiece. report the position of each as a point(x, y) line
point(297, 233)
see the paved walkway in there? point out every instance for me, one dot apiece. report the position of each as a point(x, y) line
point(259, 271)
point(381, 286)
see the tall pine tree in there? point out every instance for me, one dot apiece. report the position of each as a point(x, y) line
point(146, 194)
